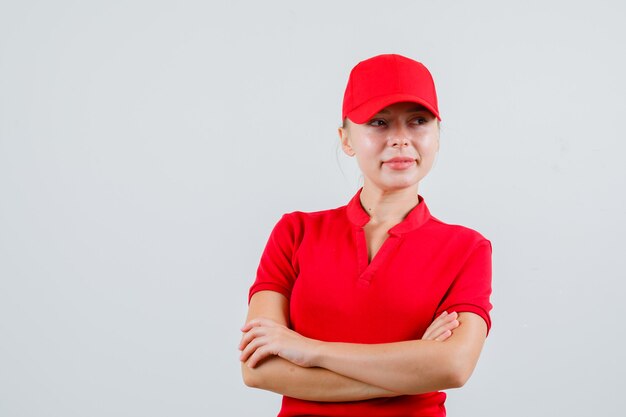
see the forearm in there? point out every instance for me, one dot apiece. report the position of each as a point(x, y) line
point(312, 384)
point(411, 367)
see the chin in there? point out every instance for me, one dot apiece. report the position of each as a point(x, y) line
point(404, 181)
point(398, 182)
point(399, 185)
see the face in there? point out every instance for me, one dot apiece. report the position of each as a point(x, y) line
point(396, 148)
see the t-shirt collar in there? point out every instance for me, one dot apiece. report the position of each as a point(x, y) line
point(416, 217)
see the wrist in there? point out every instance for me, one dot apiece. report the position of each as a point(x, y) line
point(319, 349)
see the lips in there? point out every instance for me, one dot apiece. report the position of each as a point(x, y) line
point(399, 163)
point(400, 159)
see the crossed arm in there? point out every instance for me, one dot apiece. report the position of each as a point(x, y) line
point(278, 359)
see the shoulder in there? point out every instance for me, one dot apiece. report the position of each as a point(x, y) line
point(457, 234)
point(295, 225)
point(308, 218)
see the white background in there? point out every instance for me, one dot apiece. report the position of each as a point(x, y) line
point(148, 147)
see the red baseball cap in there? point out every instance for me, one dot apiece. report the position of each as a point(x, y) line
point(386, 79)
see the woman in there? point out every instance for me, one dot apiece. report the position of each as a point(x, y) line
point(371, 308)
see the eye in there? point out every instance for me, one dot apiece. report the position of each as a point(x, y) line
point(377, 123)
point(420, 120)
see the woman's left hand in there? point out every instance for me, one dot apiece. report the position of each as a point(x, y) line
point(264, 337)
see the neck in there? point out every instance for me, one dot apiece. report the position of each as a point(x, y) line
point(388, 206)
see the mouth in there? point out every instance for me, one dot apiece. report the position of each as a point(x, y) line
point(399, 163)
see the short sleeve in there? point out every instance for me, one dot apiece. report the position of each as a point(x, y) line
point(277, 271)
point(471, 289)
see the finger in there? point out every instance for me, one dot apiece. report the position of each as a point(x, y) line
point(249, 325)
point(241, 341)
point(253, 333)
point(258, 355)
point(438, 319)
point(435, 327)
point(443, 318)
point(448, 325)
point(432, 329)
point(443, 336)
point(251, 348)
point(259, 321)
point(444, 330)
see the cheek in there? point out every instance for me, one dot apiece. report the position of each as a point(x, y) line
point(369, 163)
point(427, 146)
point(366, 164)
point(368, 150)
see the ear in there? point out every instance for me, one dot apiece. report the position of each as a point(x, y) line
point(345, 141)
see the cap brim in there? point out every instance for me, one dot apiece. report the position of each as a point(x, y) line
point(367, 110)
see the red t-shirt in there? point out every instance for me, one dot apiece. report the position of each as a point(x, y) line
point(319, 262)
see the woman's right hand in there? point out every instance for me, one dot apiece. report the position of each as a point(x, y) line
point(441, 328)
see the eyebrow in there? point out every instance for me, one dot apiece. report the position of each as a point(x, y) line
point(411, 110)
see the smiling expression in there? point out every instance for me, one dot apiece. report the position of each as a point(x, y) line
point(396, 148)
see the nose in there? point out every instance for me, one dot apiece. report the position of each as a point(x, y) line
point(398, 138)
